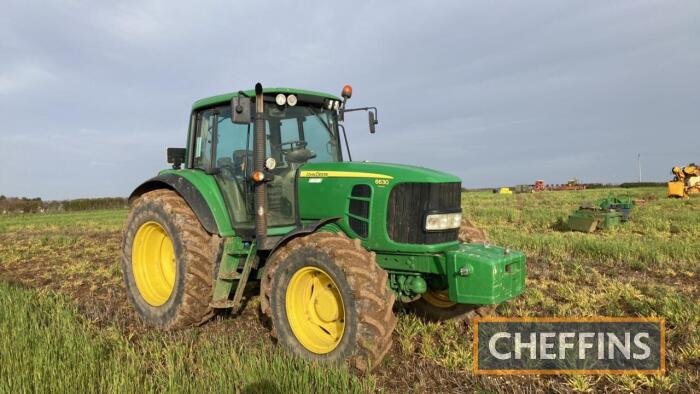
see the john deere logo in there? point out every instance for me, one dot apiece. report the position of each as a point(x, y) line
point(314, 174)
point(345, 174)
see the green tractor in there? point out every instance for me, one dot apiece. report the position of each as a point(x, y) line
point(263, 191)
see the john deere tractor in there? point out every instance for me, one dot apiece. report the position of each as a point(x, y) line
point(263, 191)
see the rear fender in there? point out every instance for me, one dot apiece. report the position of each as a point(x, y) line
point(303, 230)
point(200, 204)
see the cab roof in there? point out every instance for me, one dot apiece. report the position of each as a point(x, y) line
point(226, 98)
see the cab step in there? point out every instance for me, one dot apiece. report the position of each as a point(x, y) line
point(231, 275)
point(221, 304)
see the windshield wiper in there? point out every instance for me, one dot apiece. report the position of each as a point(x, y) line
point(345, 136)
point(322, 121)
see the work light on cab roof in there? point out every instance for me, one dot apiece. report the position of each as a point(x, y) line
point(347, 92)
point(267, 193)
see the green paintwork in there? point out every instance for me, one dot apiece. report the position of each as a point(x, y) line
point(590, 219)
point(280, 230)
point(623, 205)
point(206, 184)
point(488, 281)
point(495, 274)
point(327, 196)
point(235, 254)
point(226, 98)
point(408, 286)
point(612, 202)
point(426, 263)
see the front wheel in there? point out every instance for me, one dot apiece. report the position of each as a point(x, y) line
point(328, 300)
point(469, 233)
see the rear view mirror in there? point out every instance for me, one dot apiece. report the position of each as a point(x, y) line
point(240, 110)
point(176, 156)
point(372, 122)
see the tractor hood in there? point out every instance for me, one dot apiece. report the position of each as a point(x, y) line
point(384, 205)
point(393, 173)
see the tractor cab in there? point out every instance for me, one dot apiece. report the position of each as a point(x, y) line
point(300, 128)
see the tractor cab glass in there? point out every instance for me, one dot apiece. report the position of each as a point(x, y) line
point(296, 135)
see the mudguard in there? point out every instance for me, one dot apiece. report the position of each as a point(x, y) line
point(303, 230)
point(187, 191)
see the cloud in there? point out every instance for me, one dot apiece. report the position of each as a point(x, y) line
point(23, 78)
point(102, 164)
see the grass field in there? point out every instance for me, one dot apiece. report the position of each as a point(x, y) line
point(65, 324)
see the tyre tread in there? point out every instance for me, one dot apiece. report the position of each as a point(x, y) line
point(368, 281)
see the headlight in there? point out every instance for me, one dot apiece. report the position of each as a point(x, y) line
point(270, 163)
point(292, 100)
point(281, 99)
point(443, 221)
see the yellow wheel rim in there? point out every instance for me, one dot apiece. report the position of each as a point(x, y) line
point(438, 298)
point(315, 310)
point(153, 263)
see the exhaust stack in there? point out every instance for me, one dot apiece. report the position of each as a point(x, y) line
point(259, 166)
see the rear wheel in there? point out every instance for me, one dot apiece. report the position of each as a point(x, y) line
point(328, 300)
point(168, 261)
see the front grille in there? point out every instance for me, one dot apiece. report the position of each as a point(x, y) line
point(408, 204)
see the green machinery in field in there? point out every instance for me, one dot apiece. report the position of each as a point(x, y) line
point(607, 213)
point(589, 219)
point(264, 192)
point(623, 205)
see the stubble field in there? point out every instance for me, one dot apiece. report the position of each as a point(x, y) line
point(66, 325)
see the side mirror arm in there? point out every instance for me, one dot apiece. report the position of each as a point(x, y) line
point(373, 116)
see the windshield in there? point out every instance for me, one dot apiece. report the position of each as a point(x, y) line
point(295, 135)
point(302, 134)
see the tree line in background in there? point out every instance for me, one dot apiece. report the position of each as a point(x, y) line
point(36, 205)
point(530, 188)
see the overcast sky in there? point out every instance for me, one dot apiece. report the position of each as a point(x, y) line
point(499, 93)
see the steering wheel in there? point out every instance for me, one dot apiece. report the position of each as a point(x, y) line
point(293, 145)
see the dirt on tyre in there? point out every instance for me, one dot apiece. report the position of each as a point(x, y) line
point(470, 233)
point(168, 261)
point(328, 300)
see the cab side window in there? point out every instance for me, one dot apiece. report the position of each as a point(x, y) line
point(203, 138)
point(233, 143)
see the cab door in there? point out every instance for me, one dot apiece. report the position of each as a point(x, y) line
point(220, 148)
